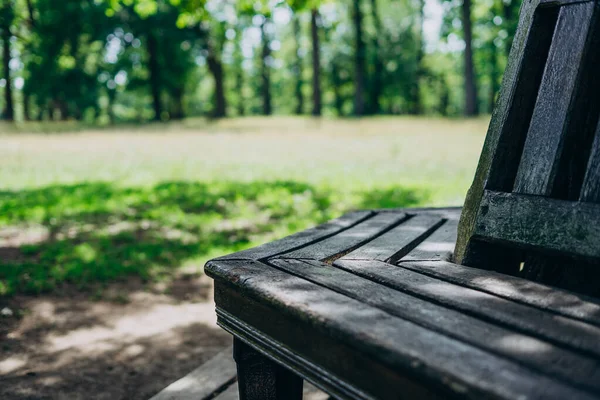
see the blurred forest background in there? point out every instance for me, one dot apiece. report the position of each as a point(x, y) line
point(140, 138)
point(105, 61)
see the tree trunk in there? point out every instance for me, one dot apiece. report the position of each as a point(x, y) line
point(9, 113)
point(337, 82)
point(416, 101)
point(471, 104)
point(376, 81)
point(177, 112)
point(360, 59)
point(154, 69)
point(265, 70)
point(216, 69)
point(239, 84)
point(316, 62)
point(494, 87)
point(298, 68)
point(26, 106)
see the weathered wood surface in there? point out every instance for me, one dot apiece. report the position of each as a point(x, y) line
point(346, 326)
point(545, 141)
point(301, 239)
point(390, 246)
point(520, 290)
point(309, 393)
point(546, 224)
point(205, 380)
point(348, 239)
point(590, 191)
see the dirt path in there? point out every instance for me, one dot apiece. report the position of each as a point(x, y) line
point(128, 345)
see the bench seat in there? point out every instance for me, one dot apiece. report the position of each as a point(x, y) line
point(371, 306)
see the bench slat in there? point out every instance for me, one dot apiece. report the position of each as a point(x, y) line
point(523, 291)
point(204, 380)
point(349, 239)
point(548, 326)
point(438, 246)
point(439, 361)
point(303, 238)
point(543, 148)
point(527, 350)
point(538, 222)
point(394, 244)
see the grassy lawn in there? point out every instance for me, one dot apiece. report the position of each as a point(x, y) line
point(89, 206)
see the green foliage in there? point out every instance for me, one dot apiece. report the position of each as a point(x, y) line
point(98, 232)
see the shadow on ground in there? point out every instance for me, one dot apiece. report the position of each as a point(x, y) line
point(70, 347)
point(99, 232)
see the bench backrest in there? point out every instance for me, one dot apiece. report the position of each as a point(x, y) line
point(533, 209)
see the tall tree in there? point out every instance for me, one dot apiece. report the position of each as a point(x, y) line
point(6, 21)
point(215, 66)
point(316, 61)
point(416, 106)
point(154, 74)
point(471, 103)
point(265, 72)
point(297, 68)
point(376, 84)
point(359, 60)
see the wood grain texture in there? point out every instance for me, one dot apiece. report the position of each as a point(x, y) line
point(590, 191)
point(303, 238)
point(202, 382)
point(543, 223)
point(549, 326)
point(446, 365)
point(510, 119)
point(520, 290)
point(231, 393)
point(310, 393)
point(260, 378)
point(437, 246)
point(528, 350)
point(395, 243)
point(349, 239)
point(543, 148)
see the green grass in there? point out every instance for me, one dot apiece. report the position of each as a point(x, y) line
point(88, 206)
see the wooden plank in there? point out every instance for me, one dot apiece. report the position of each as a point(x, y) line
point(542, 223)
point(418, 357)
point(394, 244)
point(202, 382)
point(538, 169)
point(349, 239)
point(551, 327)
point(231, 393)
point(528, 350)
point(590, 190)
point(309, 393)
point(438, 246)
point(301, 239)
point(517, 289)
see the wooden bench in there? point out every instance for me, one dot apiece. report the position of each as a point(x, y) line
point(393, 304)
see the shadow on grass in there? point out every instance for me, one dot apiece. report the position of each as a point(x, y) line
point(99, 232)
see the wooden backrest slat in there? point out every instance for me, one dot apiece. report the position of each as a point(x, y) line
point(590, 190)
point(530, 211)
point(538, 168)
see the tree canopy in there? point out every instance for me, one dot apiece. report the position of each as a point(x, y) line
point(138, 60)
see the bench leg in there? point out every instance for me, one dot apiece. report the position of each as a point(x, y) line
point(259, 378)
